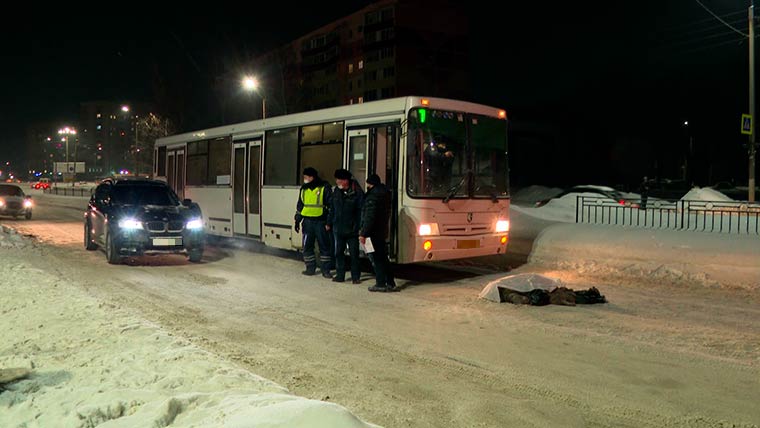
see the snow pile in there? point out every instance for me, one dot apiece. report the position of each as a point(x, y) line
point(558, 209)
point(705, 194)
point(94, 364)
point(532, 194)
point(10, 239)
point(669, 255)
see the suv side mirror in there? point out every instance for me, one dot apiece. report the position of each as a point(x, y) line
point(187, 202)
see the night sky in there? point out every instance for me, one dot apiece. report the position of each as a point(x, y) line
point(595, 92)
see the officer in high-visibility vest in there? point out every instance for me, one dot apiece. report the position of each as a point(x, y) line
point(311, 210)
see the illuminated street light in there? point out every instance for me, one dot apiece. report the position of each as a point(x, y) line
point(125, 109)
point(66, 132)
point(251, 84)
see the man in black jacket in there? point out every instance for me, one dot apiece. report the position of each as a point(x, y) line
point(375, 216)
point(344, 220)
point(311, 209)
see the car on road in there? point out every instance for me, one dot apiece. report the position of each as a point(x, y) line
point(603, 191)
point(14, 203)
point(43, 184)
point(133, 217)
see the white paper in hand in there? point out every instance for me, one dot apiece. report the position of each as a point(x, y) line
point(368, 248)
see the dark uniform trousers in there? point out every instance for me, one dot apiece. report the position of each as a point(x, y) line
point(379, 258)
point(314, 232)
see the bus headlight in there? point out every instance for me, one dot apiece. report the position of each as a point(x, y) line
point(194, 224)
point(129, 224)
point(502, 226)
point(427, 229)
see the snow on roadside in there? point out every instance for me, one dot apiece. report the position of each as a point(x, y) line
point(705, 194)
point(532, 194)
point(97, 365)
point(675, 256)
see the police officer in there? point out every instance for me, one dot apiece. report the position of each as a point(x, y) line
point(375, 216)
point(311, 209)
point(344, 221)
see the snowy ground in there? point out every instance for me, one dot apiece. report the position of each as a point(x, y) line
point(666, 350)
point(95, 364)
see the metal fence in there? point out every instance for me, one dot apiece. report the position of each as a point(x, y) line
point(68, 191)
point(703, 216)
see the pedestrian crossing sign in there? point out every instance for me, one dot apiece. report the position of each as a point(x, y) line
point(747, 124)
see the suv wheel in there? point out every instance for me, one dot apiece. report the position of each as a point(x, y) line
point(112, 253)
point(89, 244)
point(28, 215)
point(195, 255)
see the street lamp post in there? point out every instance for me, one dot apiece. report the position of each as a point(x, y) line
point(66, 132)
point(251, 84)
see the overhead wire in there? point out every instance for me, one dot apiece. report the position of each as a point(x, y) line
point(720, 19)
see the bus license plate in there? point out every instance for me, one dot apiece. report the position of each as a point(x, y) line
point(468, 243)
point(165, 242)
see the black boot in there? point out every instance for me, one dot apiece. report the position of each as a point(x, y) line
point(309, 272)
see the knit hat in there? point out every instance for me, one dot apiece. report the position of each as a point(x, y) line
point(342, 174)
point(373, 179)
point(311, 172)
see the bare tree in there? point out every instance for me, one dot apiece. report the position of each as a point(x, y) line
point(147, 130)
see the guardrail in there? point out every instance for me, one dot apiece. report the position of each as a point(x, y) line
point(736, 217)
point(68, 191)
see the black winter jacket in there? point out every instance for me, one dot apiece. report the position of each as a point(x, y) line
point(376, 212)
point(346, 209)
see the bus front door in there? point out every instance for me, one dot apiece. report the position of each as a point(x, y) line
point(373, 150)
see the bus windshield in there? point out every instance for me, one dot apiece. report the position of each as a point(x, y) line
point(456, 155)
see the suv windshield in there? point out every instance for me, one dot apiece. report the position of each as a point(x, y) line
point(454, 154)
point(10, 191)
point(143, 195)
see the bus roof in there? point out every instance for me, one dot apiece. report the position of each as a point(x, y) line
point(390, 109)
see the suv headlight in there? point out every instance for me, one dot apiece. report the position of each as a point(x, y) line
point(130, 224)
point(194, 224)
point(27, 203)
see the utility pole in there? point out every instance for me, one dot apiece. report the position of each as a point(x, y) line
point(137, 171)
point(752, 101)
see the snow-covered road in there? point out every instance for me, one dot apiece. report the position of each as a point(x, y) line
point(660, 354)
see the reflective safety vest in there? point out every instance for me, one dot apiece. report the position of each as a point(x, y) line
point(313, 202)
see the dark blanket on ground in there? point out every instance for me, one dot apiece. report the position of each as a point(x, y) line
point(558, 296)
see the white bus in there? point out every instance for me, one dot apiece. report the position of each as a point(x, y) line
point(444, 161)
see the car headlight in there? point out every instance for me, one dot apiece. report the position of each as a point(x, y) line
point(502, 226)
point(2, 202)
point(27, 203)
point(194, 224)
point(130, 224)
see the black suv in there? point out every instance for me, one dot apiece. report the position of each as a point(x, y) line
point(135, 217)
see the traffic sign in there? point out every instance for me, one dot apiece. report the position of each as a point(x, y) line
point(746, 124)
